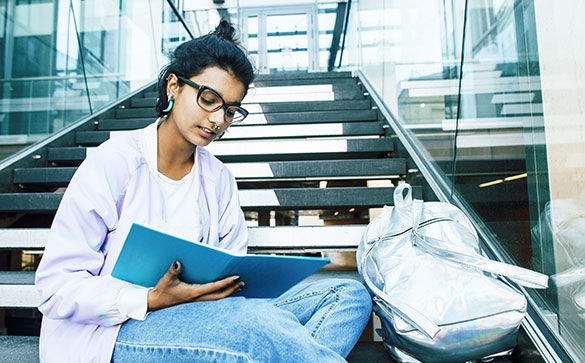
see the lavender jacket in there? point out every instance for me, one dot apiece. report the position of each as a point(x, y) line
point(115, 186)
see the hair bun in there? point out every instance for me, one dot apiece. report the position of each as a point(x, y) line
point(225, 30)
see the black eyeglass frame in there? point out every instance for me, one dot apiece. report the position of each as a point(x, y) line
point(201, 88)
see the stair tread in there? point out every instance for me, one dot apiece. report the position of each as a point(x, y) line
point(264, 150)
point(17, 349)
point(259, 237)
point(17, 288)
point(276, 169)
point(283, 118)
point(17, 277)
point(303, 75)
point(296, 107)
point(279, 198)
point(28, 277)
point(264, 132)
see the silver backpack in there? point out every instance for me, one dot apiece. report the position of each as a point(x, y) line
point(439, 298)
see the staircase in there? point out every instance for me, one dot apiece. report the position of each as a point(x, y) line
point(313, 151)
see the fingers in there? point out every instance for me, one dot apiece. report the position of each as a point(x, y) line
point(175, 268)
point(223, 293)
point(173, 271)
point(220, 285)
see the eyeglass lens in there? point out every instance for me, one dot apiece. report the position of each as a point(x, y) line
point(210, 101)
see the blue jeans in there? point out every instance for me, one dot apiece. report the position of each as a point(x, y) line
point(314, 322)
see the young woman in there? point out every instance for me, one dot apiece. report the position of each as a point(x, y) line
point(163, 176)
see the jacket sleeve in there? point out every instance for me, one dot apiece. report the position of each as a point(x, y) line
point(68, 278)
point(233, 232)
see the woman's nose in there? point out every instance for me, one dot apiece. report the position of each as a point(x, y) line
point(218, 117)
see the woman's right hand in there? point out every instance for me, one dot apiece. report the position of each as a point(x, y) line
point(170, 291)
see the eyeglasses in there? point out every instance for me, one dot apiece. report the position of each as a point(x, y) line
point(211, 101)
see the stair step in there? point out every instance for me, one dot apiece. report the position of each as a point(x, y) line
point(55, 176)
point(17, 288)
point(18, 349)
point(17, 278)
point(23, 238)
point(295, 107)
point(282, 237)
point(239, 151)
point(299, 82)
point(316, 92)
point(257, 119)
point(303, 75)
point(310, 148)
point(256, 103)
point(321, 169)
point(264, 132)
point(250, 199)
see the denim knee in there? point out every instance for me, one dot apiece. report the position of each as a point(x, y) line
point(357, 292)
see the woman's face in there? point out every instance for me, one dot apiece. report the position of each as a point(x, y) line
point(198, 126)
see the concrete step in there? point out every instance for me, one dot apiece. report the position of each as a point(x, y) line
point(17, 289)
point(298, 82)
point(310, 117)
point(312, 169)
point(275, 107)
point(306, 93)
point(242, 151)
point(19, 349)
point(282, 237)
point(302, 76)
point(250, 199)
point(263, 132)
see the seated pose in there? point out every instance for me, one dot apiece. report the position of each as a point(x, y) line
point(163, 176)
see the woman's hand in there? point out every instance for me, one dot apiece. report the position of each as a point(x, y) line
point(170, 291)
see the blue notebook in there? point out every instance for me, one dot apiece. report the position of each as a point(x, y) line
point(148, 253)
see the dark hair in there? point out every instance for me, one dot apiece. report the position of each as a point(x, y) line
point(218, 48)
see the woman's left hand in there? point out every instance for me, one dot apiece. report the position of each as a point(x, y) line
point(170, 291)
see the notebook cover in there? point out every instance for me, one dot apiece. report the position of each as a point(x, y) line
point(148, 253)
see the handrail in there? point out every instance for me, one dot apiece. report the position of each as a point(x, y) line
point(439, 183)
point(81, 57)
point(347, 12)
point(56, 78)
point(180, 17)
point(30, 150)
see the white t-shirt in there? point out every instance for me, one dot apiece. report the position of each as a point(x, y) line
point(181, 208)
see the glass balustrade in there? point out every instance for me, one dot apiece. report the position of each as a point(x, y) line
point(64, 60)
point(502, 126)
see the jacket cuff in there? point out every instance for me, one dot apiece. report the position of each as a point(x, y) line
point(133, 302)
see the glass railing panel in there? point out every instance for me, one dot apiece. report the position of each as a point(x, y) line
point(521, 111)
point(41, 87)
point(64, 60)
point(508, 133)
point(406, 50)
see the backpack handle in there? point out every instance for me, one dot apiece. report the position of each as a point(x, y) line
point(434, 246)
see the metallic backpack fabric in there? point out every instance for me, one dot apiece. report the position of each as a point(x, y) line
point(439, 298)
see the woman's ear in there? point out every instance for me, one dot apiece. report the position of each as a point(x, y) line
point(172, 85)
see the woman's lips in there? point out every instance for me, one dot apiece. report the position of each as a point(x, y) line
point(205, 132)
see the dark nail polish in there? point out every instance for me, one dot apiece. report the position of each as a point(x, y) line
point(175, 265)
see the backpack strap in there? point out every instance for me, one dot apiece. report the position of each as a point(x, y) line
point(435, 247)
point(414, 317)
